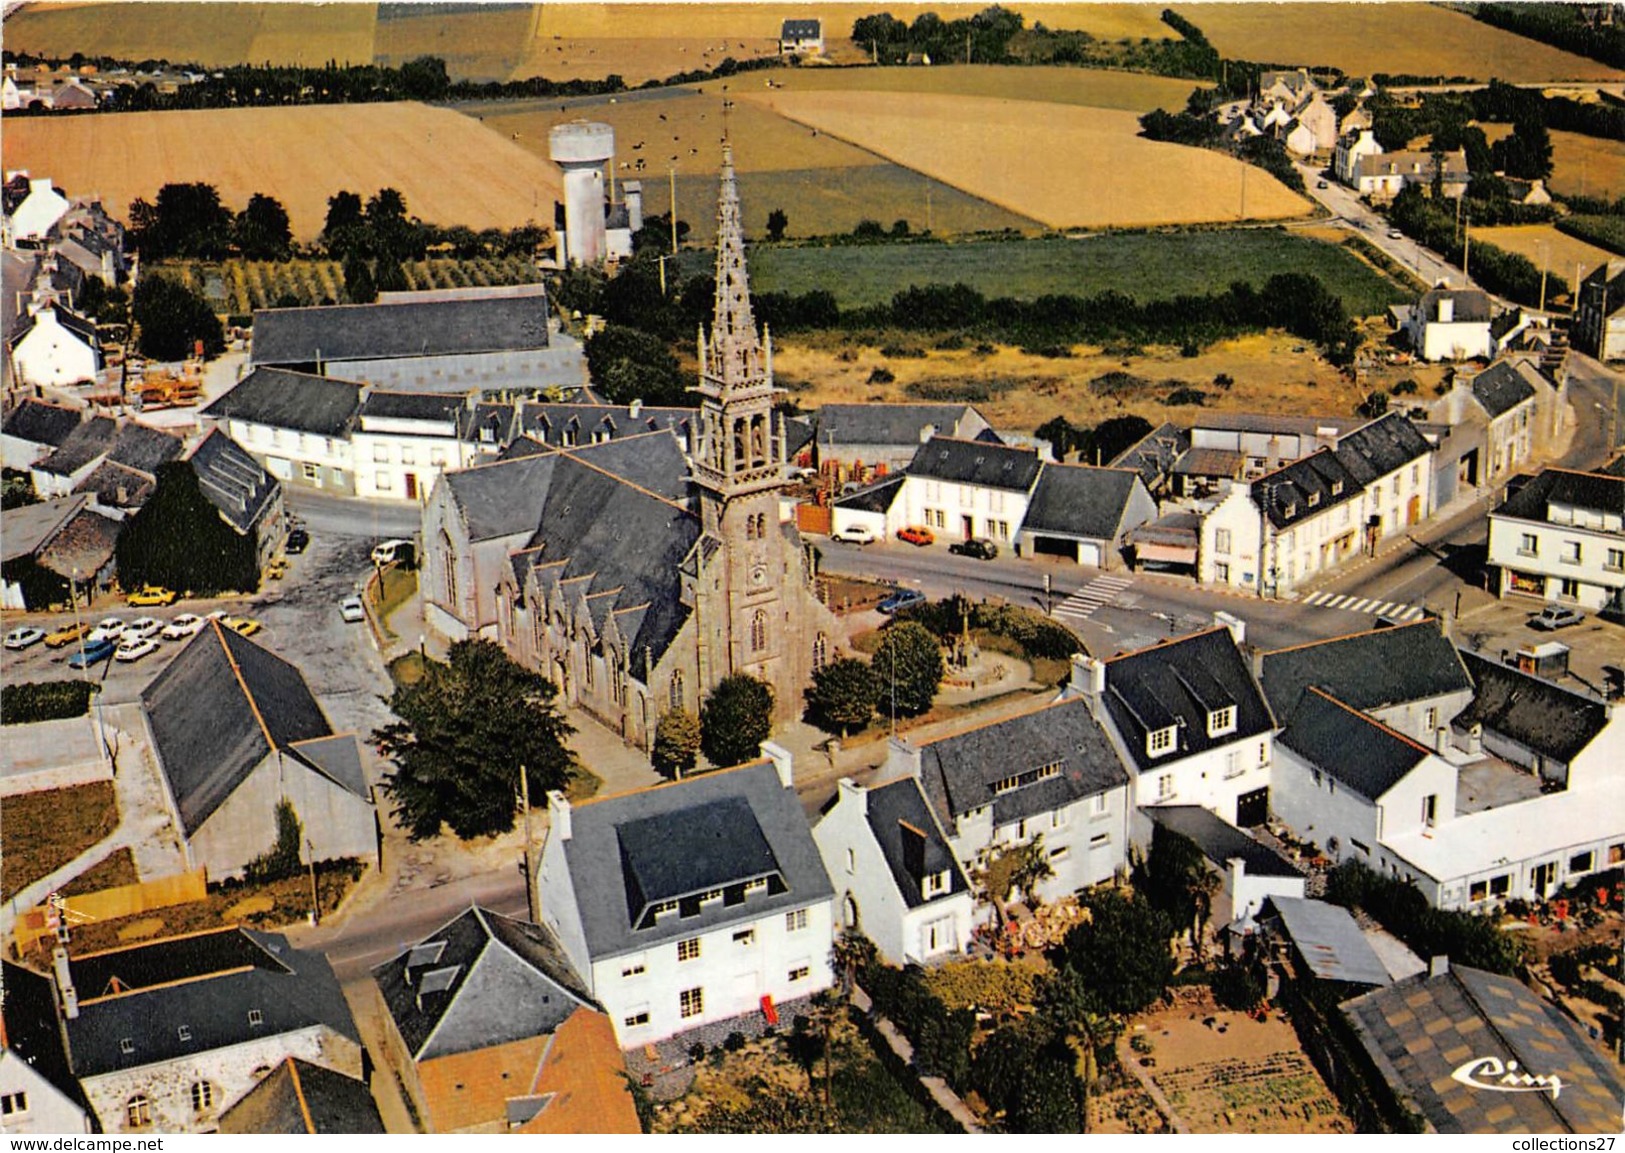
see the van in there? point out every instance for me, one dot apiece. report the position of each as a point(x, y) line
point(401, 552)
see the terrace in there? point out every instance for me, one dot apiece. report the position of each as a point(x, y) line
point(1490, 783)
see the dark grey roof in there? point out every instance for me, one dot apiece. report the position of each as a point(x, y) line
point(31, 1030)
point(1153, 455)
point(652, 461)
point(92, 439)
point(1328, 939)
point(798, 431)
point(1305, 488)
point(581, 424)
point(1589, 490)
point(279, 398)
point(1390, 442)
point(442, 407)
point(1530, 710)
point(17, 271)
point(338, 758)
point(1356, 750)
point(959, 772)
point(877, 497)
point(206, 982)
point(84, 330)
point(1076, 500)
point(116, 486)
point(298, 1097)
point(1470, 303)
point(1369, 670)
point(1220, 842)
point(479, 981)
point(504, 497)
point(407, 329)
point(1177, 683)
point(799, 30)
point(911, 841)
point(40, 423)
point(233, 481)
point(217, 711)
point(976, 462)
point(34, 525)
point(144, 448)
point(1424, 1030)
point(1501, 387)
point(686, 852)
point(894, 424)
point(599, 873)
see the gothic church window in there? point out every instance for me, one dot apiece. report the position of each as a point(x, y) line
point(820, 653)
point(676, 690)
point(758, 632)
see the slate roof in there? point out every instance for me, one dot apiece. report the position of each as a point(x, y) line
point(911, 841)
point(298, 1097)
point(233, 481)
point(1370, 670)
point(33, 525)
point(877, 497)
point(1153, 456)
point(439, 407)
point(1471, 305)
point(16, 276)
point(407, 329)
point(479, 981)
point(1374, 450)
point(1590, 490)
point(218, 710)
point(958, 772)
point(839, 425)
point(144, 448)
point(1356, 750)
point(686, 855)
point(1177, 683)
point(976, 462)
point(800, 30)
point(551, 422)
point(1502, 387)
point(1328, 939)
point(31, 1031)
point(1422, 1032)
point(84, 330)
point(1079, 501)
point(93, 438)
point(1305, 488)
point(279, 398)
point(41, 423)
point(1530, 710)
point(208, 982)
point(1220, 841)
point(115, 486)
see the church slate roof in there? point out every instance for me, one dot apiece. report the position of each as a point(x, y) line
point(1370, 670)
point(39, 422)
point(1530, 710)
point(504, 497)
point(911, 841)
point(976, 462)
point(1220, 841)
point(349, 332)
point(281, 398)
point(298, 1097)
point(1356, 750)
point(1077, 500)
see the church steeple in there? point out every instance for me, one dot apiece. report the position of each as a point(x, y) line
point(735, 351)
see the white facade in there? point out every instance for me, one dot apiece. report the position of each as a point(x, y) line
point(1443, 337)
point(294, 457)
point(52, 355)
point(1580, 563)
point(31, 1104)
point(1230, 550)
point(399, 459)
point(1346, 161)
point(960, 511)
point(1348, 826)
point(39, 211)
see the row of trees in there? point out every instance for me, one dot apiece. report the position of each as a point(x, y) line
point(1571, 27)
point(1508, 274)
point(983, 38)
point(189, 221)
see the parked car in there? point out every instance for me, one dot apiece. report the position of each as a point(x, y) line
point(133, 649)
point(66, 635)
point(141, 628)
point(151, 595)
point(93, 653)
point(916, 534)
point(350, 610)
point(979, 547)
point(24, 636)
point(1556, 617)
point(183, 626)
point(298, 541)
point(1322, 184)
point(247, 626)
point(901, 599)
point(401, 552)
point(855, 534)
point(1395, 234)
point(107, 629)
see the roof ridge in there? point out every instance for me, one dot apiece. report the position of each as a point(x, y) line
point(232, 928)
point(242, 683)
point(571, 455)
point(1349, 636)
point(1167, 644)
point(757, 763)
point(299, 1091)
point(130, 992)
point(972, 726)
point(1370, 720)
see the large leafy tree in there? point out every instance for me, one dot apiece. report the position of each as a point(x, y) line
point(262, 230)
point(180, 541)
point(187, 220)
point(736, 718)
point(1122, 952)
point(170, 319)
point(627, 364)
point(677, 743)
point(842, 696)
point(908, 664)
point(465, 732)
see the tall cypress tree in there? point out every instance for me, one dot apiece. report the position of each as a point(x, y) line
point(179, 540)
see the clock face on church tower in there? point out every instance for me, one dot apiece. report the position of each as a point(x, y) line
point(758, 574)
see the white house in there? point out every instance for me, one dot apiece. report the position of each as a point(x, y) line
point(1451, 324)
point(968, 488)
point(38, 1091)
point(1561, 537)
point(1350, 150)
point(297, 425)
point(690, 904)
point(403, 440)
point(894, 872)
point(52, 347)
point(801, 38)
point(34, 217)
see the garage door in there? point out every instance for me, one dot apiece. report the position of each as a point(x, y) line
point(1089, 554)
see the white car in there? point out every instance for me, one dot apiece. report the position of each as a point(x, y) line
point(135, 648)
point(350, 609)
point(855, 534)
point(23, 637)
point(141, 628)
point(183, 626)
point(107, 629)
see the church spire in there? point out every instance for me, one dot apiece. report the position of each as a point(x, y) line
point(735, 352)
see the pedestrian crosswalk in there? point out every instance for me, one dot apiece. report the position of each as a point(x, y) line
point(1376, 606)
point(1082, 604)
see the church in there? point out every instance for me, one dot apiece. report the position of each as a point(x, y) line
point(633, 574)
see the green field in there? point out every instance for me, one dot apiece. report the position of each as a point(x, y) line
point(1144, 266)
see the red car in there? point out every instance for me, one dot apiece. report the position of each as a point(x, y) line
point(915, 534)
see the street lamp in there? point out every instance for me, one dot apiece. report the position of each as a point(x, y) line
point(315, 902)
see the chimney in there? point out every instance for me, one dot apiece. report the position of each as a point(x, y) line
point(1447, 309)
point(634, 408)
point(558, 814)
point(927, 432)
point(64, 982)
point(1088, 675)
point(855, 793)
point(1438, 965)
point(902, 756)
point(1237, 627)
point(633, 192)
point(780, 756)
point(1441, 737)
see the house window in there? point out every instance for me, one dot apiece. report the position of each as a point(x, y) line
point(691, 1002)
point(1430, 810)
point(1568, 590)
point(1165, 786)
point(1501, 886)
point(1097, 805)
point(1570, 553)
point(664, 907)
point(710, 896)
point(688, 950)
point(1232, 764)
point(674, 694)
point(820, 653)
point(202, 1096)
point(380, 454)
point(13, 1103)
point(1221, 721)
point(1221, 572)
point(1100, 840)
point(795, 920)
point(437, 456)
point(637, 1018)
point(799, 973)
point(1616, 853)
point(126, 1046)
point(1159, 741)
point(851, 860)
point(255, 1017)
point(1058, 819)
point(1263, 753)
point(634, 968)
point(745, 937)
point(311, 472)
point(1478, 891)
point(1060, 854)
point(1430, 720)
point(1221, 542)
point(184, 1032)
point(1528, 544)
point(138, 1111)
point(936, 883)
point(759, 885)
point(1616, 560)
point(407, 455)
point(1581, 862)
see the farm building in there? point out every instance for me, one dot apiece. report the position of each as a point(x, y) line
point(801, 38)
point(1601, 328)
point(51, 347)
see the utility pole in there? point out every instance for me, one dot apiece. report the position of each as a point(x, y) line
point(967, 46)
point(315, 902)
point(1466, 248)
point(531, 907)
point(672, 168)
point(1243, 215)
point(1545, 259)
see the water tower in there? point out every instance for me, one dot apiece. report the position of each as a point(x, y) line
point(582, 148)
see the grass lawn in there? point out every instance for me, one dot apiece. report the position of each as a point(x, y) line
point(394, 586)
point(44, 831)
point(113, 870)
point(1141, 265)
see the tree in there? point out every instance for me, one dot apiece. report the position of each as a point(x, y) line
point(179, 540)
point(1015, 867)
point(359, 286)
point(736, 718)
point(627, 364)
point(170, 319)
point(262, 231)
point(843, 696)
point(777, 222)
point(1110, 437)
point(283, 857)
point(343, 211)
point(188, 220)
point(1121, 950)
point(908, 664)
point(677, 743)
point(465, 732)
point(1373, 406)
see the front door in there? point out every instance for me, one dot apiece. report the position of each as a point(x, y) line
point(1542, 876)
point(969, 526)
point(1253, 808)
point(411, 486)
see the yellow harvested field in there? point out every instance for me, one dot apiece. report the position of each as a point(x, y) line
point(1070, 168)
point(1541, 243)
point(1587, 165)
point(450, 169)
point(1096, 88)
point(476, 42)
point(1396, 38)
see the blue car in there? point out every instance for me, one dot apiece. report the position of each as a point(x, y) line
point(94, 653)
point(901, 599)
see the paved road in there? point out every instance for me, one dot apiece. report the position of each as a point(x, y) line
point(1349, 212)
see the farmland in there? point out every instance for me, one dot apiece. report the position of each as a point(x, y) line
point(1362, 39)
point(1096, 88)
point(450, 170)
point(241, 286)
point(1074, 167)
point(1542, 242)
point(1142, 266)
point(1587, 166)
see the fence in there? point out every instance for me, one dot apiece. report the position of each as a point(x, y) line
point(110, 904)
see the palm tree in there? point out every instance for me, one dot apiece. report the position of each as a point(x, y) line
point(1201, 886)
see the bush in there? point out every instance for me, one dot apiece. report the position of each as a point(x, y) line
point(35, 701)
point(882, 375)
point(1186, 396)
point(1467, 939)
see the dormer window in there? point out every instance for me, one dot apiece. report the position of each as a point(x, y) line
point(759, 885)
point(1337, 488)
point(1289, 509)
point(1314, 499)
point(936, 883)
point(664, 907)
point(1159, 741)
point(710, 896)
point(1221, 721)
